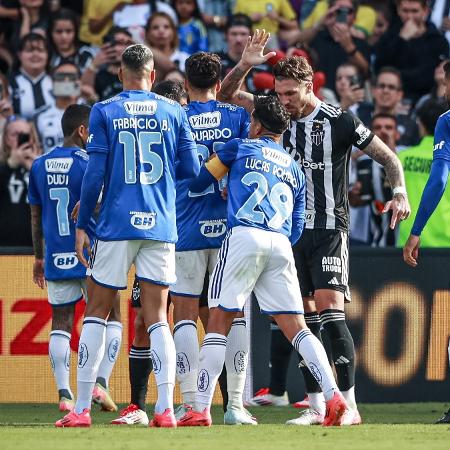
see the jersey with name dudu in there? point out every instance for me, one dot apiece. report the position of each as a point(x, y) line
point(441, 148)
point(142, 134)
point(201, 217)
point(55, 185)
point(265, 185)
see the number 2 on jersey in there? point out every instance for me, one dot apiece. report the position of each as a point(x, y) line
point(146, 156)
point(280, 198)
point(61, 195)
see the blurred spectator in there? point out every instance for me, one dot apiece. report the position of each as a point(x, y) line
point(370, 190)
point(161, 35)
point(6, 109)
point(440, 16)
point(270, 16)
point(100, 80)
point(414, 46)
point(387, 97)
point(416, 162)
point(20, 148)
point(174, 75)
point(136, 14)
point(349, 86)
point(215, 15)
point(66, 89)
point(382, 23)
point(63, 40)
point(30, 84)
point(191, 30)
point(35, 14)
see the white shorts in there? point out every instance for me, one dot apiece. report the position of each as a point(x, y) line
point(111, 261)
point(66, 292)
point(256, 260)
point(191, 268)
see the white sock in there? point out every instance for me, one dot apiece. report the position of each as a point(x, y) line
point(186, 345)
point(212, 357)
point(350, 397)
point(162, 352)
point(90, 353)
point(315, 358)
point(59, 353)
point(317, 402)
point(113, 341)
point(236, 359)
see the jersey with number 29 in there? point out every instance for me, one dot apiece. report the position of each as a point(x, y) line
point(142, 134)
point(201, 217)
point(55, 185)
point(265, 185)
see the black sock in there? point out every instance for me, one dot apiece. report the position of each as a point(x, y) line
point(280, 354)
point(312, 319)
point(224, 388)
point(342, 347)
point(140, 366)
point(102, 382)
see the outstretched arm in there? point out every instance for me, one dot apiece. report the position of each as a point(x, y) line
point(251, 56)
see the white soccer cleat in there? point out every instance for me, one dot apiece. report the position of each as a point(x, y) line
point(307, 417)
point(351, 417)
point(264, 398)
point(131, 415)
point(239, 417)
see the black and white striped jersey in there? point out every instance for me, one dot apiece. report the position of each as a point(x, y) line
point(321, 144)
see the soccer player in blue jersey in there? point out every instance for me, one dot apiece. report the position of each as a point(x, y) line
point(266, 198)
point(201, 226)
point(135, 139)
point(434, 189)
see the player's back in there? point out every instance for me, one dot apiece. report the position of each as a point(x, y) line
point(55, 185)
point(201, 217)
point(142, 133)
point(264, 185)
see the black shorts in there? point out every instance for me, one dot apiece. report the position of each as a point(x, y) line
point(136, 294)
point(321, 258)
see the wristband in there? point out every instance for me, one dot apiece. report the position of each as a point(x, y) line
point(400, 190)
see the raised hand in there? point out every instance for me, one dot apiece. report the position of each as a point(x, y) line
point(253, 52)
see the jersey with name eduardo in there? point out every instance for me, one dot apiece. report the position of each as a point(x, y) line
point(55, 185)
point(264, 184)
point(142, 134)
point(201, 217)
point(321, 144)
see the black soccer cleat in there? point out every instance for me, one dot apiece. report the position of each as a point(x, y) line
point(445, 418)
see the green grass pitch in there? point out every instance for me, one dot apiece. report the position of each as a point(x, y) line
point(387, 426)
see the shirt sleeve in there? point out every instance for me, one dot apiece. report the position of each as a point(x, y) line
point(361, 135)
point(227, 153)
point(245, 124)
point(98, 134)
point(33, 193)
point(298, 213)
point(186, 142)
point(442, 139)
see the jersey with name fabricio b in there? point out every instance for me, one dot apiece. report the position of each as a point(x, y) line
point(201, 217)
point(142, 134)
point(265, 184)
point(55, 185)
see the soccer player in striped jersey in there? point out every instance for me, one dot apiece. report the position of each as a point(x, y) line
point(320, 138)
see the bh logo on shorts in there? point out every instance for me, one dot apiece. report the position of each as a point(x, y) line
point(239, 362)
point(183, 365)
point(213, 228)
point(65, 261)
point(83, 355)
point(142, 220)
point(203, 380)
point(67, 360)
point(155, 361)
point(113, 349)
point(315, 372)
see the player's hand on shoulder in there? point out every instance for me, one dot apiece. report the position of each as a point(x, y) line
point(81, 242)
point(399, 205)
point(411, 250)
point(253, 54)
point(38, 273)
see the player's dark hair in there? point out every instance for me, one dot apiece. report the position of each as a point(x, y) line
point(239, 20)
point(174, 90)
point(137, 57)
point(203, 70)
point(429, 113)
point(271, 113)
point(74, 116)
point(295, 68)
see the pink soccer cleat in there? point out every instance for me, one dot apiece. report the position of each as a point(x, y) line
point(336, 407)
point(302, 403)
point(73, 420)
point(164, 420)
point(351, 417)
point(196, 419)
point(66, 404)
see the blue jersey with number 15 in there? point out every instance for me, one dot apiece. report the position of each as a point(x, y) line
point(265, 186)
point(55, 185)
point(201, 217)
point(143, 135)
